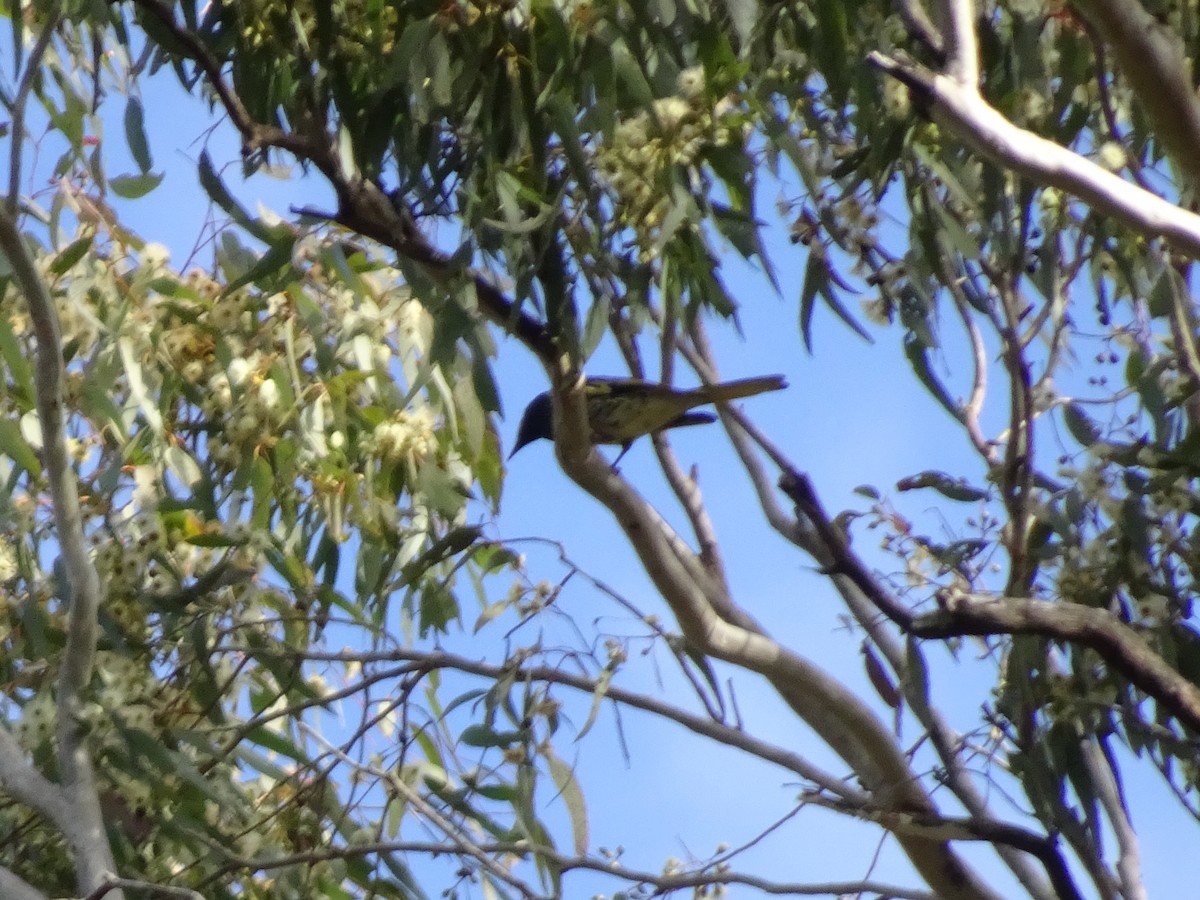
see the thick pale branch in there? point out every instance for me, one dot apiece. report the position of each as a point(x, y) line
point(20, 98)
point(835, 713)
point(148, 888)
point(1155, 63)
point(965, 113)
point(1119, 645)
point(962, 48)
point(814, 533)
point(15, 888)
point(1108, 792)
point(84, 828)
point(27, 785)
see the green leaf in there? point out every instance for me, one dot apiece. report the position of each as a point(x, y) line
point(441, 491)
point(439, 607)
point(217, 192)
point(946, 485)
point(485, 736)
point(18, 364)
point(272, 740)
point(594, 327)
point(629, 72)
point(572, 795)
point(918, 358)
point(71, 254)
point(840, 310)
point(131, 187)
point(916, 679)
point(598, 695)
point(139, 390)
point(212, 539)
point(135, 134)
point(1082, 428)
point(816, 279)
point(829, 45)
point(16, 448)
point(277, 258)
point(952, 229)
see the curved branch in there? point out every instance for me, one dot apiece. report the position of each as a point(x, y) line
point(663, 883)
point(964, 112)
point(1156, 65)
point(27, 785)
point(989, 831)
point(962, 47)
point(841, 719)
point(20, 98)
point(862, 604)
point(1119, 645)
point(921, 28)
point(84, 827)
point(13, 887)
point(702, 725)
point(1108, 792)
point(255, 136)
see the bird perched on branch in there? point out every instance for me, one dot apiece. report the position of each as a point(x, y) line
point(621, 410)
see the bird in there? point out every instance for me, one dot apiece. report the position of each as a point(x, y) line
point(621, 410)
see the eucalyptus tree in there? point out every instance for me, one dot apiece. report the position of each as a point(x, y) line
point(245, 500)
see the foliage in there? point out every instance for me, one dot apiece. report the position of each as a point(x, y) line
point(291, 449)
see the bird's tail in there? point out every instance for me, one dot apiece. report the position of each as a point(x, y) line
point(744, 387)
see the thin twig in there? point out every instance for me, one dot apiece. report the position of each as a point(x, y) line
point(702, 725)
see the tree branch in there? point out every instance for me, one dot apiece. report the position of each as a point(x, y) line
point(13, 887)
point(816, 535)
point(663, 884)
point(20, 98)
point(84, 827)
point(921, 28)
point(1119, 645)
point(1155, 63)
point(962, 48)
point(988, 831)
point(841, 718)
point(27, 785)
point(964, 112)
point(1129, 858)
point(701, 725)
point(148, 888)
point(255, 135)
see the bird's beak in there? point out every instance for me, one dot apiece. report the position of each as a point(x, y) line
point(523, 439)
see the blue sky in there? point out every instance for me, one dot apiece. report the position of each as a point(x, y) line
point(853, 414)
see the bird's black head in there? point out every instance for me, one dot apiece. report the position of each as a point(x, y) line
point(537, 422)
